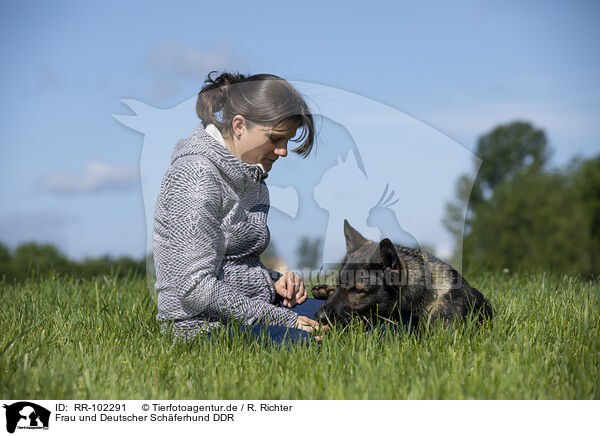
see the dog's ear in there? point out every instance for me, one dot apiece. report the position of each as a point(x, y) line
point(354, 240)
point(388, 257)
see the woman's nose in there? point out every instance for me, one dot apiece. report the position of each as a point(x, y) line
point(281, 150)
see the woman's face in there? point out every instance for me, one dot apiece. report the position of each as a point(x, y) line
point(255, 143)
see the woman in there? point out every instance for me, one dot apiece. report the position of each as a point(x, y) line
point(210, 222)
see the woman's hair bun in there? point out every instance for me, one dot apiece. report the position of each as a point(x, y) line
point(225, 79)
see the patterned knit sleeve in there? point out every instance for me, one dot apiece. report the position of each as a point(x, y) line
point(197, 247)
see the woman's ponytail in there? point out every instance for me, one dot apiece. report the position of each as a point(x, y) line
point(214, 96)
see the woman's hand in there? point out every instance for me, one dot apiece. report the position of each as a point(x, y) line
point(290, 286)
point(311, 326)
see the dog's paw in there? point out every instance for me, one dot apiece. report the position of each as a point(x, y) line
point(322, 292)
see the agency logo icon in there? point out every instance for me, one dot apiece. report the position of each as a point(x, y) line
point(26, 415)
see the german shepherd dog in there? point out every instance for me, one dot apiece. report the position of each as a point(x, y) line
point(397, 283)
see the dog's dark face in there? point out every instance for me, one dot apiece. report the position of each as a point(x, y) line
point(368, 284)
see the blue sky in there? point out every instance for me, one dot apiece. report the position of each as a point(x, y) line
point(69, 169)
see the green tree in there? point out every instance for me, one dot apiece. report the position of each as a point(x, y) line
point(586, 182)
point(125, 266)
point(309, 252)
point(533, 221)
point(4, 261)
point(33, 259)
point(521, 216)
point(106, 265)
point(505, 152)
point(453, 218)
point(95, 266)
point(38, 259)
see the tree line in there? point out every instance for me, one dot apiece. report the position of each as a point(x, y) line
point(523, 215)
point(32, 259)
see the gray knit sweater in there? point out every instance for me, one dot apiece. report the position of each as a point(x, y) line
point(210, 227)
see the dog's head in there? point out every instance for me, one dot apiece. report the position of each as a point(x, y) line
point(369, 282)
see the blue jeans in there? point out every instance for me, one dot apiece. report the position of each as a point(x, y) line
point(282, 335)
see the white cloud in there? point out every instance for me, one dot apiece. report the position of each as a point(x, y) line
point(98, 176)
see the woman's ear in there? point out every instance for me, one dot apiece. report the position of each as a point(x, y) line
point(238, 124)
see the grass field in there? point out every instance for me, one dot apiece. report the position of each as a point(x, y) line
point(63, 338)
